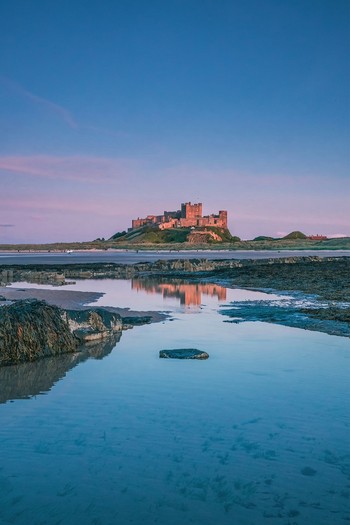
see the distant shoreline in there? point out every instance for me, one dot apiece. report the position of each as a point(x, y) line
point(169, 250)
point(332, 244)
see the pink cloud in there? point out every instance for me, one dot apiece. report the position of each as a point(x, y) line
point(41, 208)
point(52, 218)
point(78, 168)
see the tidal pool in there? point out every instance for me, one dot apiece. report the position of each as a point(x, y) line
point(258, 433)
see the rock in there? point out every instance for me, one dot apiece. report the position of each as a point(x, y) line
point(31, 329)
point(97, 319)
point(130, 322)
point(2, 298)
point(94, 324)
point(308, 471)
point(331, 320)
point(85, 335)
point(183, 353)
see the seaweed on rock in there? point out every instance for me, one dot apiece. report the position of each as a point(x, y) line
point(31, 329)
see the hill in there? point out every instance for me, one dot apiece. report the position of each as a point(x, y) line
point(263, 238)
point(295, 235)
point(151, 235)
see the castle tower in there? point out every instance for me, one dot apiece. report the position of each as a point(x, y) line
point(223, 218)
point(191, 211)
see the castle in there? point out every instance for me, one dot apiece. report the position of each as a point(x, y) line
point(189, 216)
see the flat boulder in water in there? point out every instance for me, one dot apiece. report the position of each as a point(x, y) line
point(183, 353)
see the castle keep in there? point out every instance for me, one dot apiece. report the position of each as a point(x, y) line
point(189, 216)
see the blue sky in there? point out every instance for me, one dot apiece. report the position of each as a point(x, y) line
point(110, 110)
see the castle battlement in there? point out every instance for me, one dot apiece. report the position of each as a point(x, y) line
point(190, 215)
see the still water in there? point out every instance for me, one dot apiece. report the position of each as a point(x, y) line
point(258, 433)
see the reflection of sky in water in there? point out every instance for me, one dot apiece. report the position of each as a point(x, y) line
point(148, 294)
point(256, 434)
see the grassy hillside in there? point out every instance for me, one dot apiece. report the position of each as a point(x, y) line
point(295, 235)
point(151, 235)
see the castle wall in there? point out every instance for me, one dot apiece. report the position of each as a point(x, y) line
point(168, 224)
point(188, 223)
point(189, 216)
point(172, 215)
point(137, 223)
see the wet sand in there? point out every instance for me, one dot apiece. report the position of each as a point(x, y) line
point(132, 257)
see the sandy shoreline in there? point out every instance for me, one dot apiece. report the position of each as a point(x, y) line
point(130, 257)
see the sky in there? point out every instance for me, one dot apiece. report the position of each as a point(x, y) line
point(115, 109)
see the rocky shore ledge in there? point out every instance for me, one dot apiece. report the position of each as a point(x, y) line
point(326, 280)
point(32, 329)
point(328, 277)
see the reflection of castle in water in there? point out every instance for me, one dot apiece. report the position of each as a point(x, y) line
point(189, 294)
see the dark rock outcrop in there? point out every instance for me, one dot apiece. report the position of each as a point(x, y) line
point(94, 324)
point(333, 321)
point(32, 329)
point(325, 276)
point(183, 353)
point(130, 322)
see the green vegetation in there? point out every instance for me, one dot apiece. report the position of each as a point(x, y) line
point(224, 233)
point(117, 235)
point(152, 235)
point(264, 238)
point(165, 236)
point(295, 235)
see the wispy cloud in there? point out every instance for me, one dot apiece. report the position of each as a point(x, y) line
point(58, 110)
point(35, 208)
point(7, 225)
point(75, 168)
